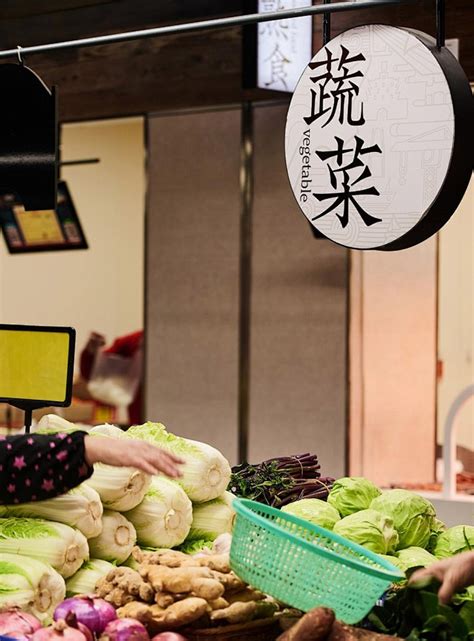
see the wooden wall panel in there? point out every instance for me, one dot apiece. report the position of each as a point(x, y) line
point(177, 72)
point(192, 275)
point(417, 14)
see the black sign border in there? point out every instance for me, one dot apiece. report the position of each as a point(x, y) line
point(23, 403)
point(62, 185)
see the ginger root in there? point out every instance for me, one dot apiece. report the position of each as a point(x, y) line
point(219, 604)
point(135, 610)
point(164, 600)
point(123, 585)
point(230, 581)
point(209, 589)
point(217, 562)
point(235, 613)
point(246, 595)
point(174, 580)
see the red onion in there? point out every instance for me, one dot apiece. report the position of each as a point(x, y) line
point(125, 630)
point(169, 636)
point(71, 620)
point(59, 631)
point(92, 612)
point(17, 624)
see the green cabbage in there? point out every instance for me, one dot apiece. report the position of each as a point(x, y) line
point(206, 473)
point(437, 528)
point(412, 516)
point(315, 511)
point(352, 494)
point(369, 528)
point(394, 561)
point(459, 538)
point(415, 557)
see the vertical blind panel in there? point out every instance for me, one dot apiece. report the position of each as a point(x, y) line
point(299, 318)
point(192, 275)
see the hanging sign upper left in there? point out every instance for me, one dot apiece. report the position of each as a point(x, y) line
point(28, 138)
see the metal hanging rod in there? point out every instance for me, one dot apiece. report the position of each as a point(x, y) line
point(203, 25)
point(85, 161)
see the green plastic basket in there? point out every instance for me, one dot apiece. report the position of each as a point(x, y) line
point(306, 566)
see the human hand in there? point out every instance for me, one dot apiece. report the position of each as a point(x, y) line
point(95, 343)
point(454, 574)
point(131, 453)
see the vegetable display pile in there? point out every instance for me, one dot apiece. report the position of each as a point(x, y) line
point(78, 536)
point(172, 590)
point(138, 556)
point(280, 481)
point(402, 527)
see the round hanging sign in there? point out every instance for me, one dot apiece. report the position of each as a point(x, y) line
point(377, 138)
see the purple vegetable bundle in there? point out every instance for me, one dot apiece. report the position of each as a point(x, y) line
point(280, 481)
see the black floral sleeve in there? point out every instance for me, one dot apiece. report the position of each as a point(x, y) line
point(34, 467)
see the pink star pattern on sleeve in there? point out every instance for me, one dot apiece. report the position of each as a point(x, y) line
point(19, 462)
point(35, 467)
point(47, 486)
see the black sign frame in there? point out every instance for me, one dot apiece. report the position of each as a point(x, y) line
point(65, 214)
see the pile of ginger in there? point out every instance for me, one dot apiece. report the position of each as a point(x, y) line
point(172, 590)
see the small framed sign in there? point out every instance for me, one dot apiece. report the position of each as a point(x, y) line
point(36, 365)
point(276, 52)
point(43, 230)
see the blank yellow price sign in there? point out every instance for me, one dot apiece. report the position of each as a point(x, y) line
point(36, 366)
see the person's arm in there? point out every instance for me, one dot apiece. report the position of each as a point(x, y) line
point(454, 574)
point(132, 453)
point(34, 467)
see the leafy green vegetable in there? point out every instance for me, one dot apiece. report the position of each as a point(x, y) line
point(83, 582)
point(194, 547)
point(437, 528)
point(56, 544)
point(412, 516)
point(80, 508)
point(315, 511)
point(415, 557)
point(416, 615)
point(116, 540)
point(370, 529)
point(459, 538)
point(211, 519)
point(163, 519)
point(206, 472)
point(352, 494)
point(30, 585)
point(394, 560)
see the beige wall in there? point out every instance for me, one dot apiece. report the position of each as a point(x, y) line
point(456, 317)
point(100, 288)
point(393, 364)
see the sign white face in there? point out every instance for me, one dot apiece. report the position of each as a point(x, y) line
point(284, 46)
point(369, 136)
